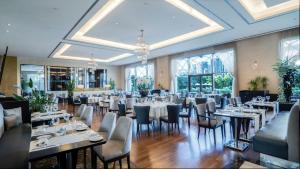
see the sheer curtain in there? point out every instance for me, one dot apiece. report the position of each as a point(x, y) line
point(228, 58)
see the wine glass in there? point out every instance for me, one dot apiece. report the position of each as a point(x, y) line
point(267, 98)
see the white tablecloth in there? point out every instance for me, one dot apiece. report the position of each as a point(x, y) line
point(157, 109)
point(35, 117)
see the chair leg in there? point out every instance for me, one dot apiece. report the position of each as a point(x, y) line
point(84, 158)
point(205, 131)
point(159, 126)
point(105, 165)
point(177, 127)
point(189, 122)
point(168, 128)
point(128, 161)
point(137, 129)
point(198, 131)
point(214, 131)
point(222, 130)
point(148, 130)
point(120, 163)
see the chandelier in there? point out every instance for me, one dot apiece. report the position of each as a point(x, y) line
point(142, 51)
point(92, 63)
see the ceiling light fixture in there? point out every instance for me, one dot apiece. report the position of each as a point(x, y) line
point(142, 50)
point(259, 10)
point(59, 55)
point(112, 4)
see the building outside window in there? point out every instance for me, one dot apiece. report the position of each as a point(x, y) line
point(205, 73)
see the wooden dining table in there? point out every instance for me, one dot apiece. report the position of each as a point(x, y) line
point(63, 146)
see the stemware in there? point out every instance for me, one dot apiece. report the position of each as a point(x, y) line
point(267, 98)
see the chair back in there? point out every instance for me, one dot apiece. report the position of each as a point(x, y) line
point(173, 113)
point(87, 116)
point(238, 100)
point(130, 102)
point(122, 109)
point(211, 107)
point(217, 99)
point(173, 98)
point(142, 114)
point(113, 103)
point(200, 111)
point(80, 110)
point(199, 100)
point(123, 133)
point(293, 133)
point(232, 101)
point(223, 102)
point(108, 124)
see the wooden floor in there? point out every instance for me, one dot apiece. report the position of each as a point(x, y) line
point(184, 150)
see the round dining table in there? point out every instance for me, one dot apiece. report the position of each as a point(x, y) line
point(157, 109)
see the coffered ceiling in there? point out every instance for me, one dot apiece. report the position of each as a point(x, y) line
point(107, 30)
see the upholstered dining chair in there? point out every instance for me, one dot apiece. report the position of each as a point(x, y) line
point(187, 114)
point(205, 120)
point(211, 109)
point(113, 104)
point(200, 100)
point(121, 109)
point(87, 116)
point(142, 117)
point(80, 110)
point(172, 118)
point(129, 104)
point(108, 124)
point(119, 146)
point(238, 100)
point(231, 101)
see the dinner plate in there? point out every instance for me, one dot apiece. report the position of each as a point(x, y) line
point(81, 128)
point(95, 138)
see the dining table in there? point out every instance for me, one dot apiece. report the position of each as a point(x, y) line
point(63, 141)
point(274, 105)
point(157, 108)
point(38, 118)
point(237, 116)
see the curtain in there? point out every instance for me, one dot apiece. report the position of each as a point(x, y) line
point(173, 76)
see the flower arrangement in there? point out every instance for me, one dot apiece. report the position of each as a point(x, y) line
point(143, 84)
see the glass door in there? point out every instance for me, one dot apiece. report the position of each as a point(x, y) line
point(201, 83)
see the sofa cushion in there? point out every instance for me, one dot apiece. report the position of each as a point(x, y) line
point(14, 147)
point(271, 139)
point(15, 111)
point(1, 121)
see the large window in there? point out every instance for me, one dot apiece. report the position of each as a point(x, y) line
point(205, 73)
point(290, 50)
point(143, 71)
point(34, 72)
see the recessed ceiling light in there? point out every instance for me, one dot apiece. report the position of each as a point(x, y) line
point(259, 10)
point(8, 24)
point(7, 31)
point(117, 23)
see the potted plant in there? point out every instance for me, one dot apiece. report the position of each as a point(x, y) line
point(112, 84)
point(70, 88)
point(143, 86)
point(286, 74)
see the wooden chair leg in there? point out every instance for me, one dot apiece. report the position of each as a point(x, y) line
point(159, 126)
point(148, 130)
point(128, 161)
point(105, 165)
point(214, 131)
point(120, 163)
point(168, 128)
point(189, 122)
point(178, 127)
point(222, 130)
point(198, 131)
point(84, 158)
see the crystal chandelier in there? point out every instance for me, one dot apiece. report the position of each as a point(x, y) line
point(92, 63)
point(142, 51)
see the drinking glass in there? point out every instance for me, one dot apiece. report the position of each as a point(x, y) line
point(267, 98)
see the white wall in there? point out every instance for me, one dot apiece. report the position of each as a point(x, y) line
point(113, 72)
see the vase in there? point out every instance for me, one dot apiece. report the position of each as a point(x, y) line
point(143, 93)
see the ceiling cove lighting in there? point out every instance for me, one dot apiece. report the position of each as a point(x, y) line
point(112, 4)
point(59, 55)
point(259, 10)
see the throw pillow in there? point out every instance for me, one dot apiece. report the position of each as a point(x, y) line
point(10, 121)
point(15, 111)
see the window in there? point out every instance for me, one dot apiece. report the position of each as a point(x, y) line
point(290, 51)
point(132, 73)
point(34, 72)
point(205, 73)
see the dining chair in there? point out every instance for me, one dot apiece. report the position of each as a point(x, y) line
point(119, 146)
point(172, 118)
point(121, 110)
point(238, 100)
point(80, 110)
point(211, 109)
point(187, 114)
point(87, 116)
point(129, 104)
point(142, 117)
point(205, 120)
point(232, 102)
point(200, 100)
point(113, 103)
point(108, 124)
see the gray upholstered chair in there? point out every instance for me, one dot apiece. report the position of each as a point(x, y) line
point(113, 103)
point(238, 100)
point(107, 125)
point(129, 104)
point(87, 116)
point(119, 146)
point(80, 110)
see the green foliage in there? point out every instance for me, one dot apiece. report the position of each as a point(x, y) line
point(112, 84)
point(30, 83)
point(259, 83)
point(289, 77)
point(70, 87)
point(141, 83)
point(182, 83)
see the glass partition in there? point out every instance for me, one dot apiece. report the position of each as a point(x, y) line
point(34, 72)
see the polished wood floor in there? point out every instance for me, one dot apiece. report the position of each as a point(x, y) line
point(184, 150)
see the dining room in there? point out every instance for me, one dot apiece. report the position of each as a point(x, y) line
point(149, 84)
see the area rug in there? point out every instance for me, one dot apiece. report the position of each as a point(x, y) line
point(51, 163)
